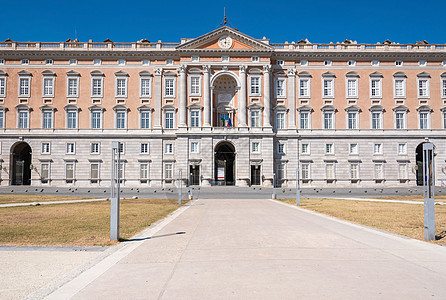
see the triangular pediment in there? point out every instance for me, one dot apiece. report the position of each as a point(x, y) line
point(225, 39)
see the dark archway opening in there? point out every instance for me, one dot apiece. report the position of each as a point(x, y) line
point(419, 163)
point(20, 164)
point(225, 164)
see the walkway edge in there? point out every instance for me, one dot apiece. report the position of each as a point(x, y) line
point(364, 227)
point(72, 286)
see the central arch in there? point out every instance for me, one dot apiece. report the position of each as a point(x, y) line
point(225, 85)
point(224, 164)
point(20, 164)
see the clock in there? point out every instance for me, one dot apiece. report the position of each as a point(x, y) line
point(225, 42)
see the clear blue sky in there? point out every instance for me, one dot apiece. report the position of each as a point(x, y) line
point(320, 21)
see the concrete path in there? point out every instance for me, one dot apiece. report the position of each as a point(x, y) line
point(263, 249)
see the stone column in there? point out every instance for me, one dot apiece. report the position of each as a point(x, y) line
point(182, 96)
point(158, 97)
point(207, 96)
point(267, 96)
point(292, 98)
point(242, 98)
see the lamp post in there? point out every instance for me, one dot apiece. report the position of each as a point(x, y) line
point(297, 186)
point(180, 187)
point(274, 185)
point(429, 194)
point(115, 191)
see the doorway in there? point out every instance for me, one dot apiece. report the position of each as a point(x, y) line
point(224, 164)
point(194, 172)
point(255, 175)
point(20, 164)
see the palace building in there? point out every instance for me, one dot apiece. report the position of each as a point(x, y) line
point(225, 108)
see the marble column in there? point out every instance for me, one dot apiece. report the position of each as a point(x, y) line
point(158, 98)
point(207, 96)
point(292, 98)
point(182, 97)
point(267, 96)
point(242, 98)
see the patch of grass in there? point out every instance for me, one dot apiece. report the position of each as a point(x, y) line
point(399, 218)
point(6, 199)
point(78, 224)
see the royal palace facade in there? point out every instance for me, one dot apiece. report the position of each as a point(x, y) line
point(225, 108)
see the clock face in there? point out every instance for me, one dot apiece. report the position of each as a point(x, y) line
point(225, 42)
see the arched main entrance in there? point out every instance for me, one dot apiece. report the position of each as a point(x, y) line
point(224, 87)
point(419, 162)
point(20, 169)
point(224, 164)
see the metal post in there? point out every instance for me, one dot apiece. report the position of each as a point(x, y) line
point(274, 185)
point(180, 187)
point(115, 191)
point(297, 186)
point(429, 194)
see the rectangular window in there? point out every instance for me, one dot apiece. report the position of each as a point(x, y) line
point(328, 120)
point(120, 119)
point(424, 120)
point(47, 119)
point(402, 171)
point(96, 119)
point(195, 118)
point(375, 88)
point(255, 86)
point(144, 148)
point(280, 88)
point(121, 147)
point(121, 87)
point(46, 148)
point(400, 120)
point(97, 62)
point(23, 119)
point(281, 148)
point(73, 61)
point(305, 171)
point(168, 148)
point(376, 120)
point(69, 171)
point(145, 119)
point(71, 148)
point(25, 61)
point(354, 171)
point(121, 171)
point(328, 87)
point(330, 171)
point(2, 118)
point(352, 120)
point(379, 171)
point(145, 87)
point(3, 87)
point(96, 87)
point(329, 149)
point(121, 62)
point(304, 120)
point(169, 119)
point(444, 119)
point(72, 87)
point(44, 172)
point(378, 149)
point(400, 88)
point(352, 88)
point(72, 119)
point(255, 118)
point(168, 172)
point(94, 148)
point(353, 149)
point(94, 171)
point(280, 171)
point(195, 87)
point(305, 148)
point(443, 88)
point(304, 88)
point(24, 86)
point(423, 91)
point(402, 149)
point(194, 147)
point(255, 147)
point(48, 86)
point(280, 120)
point(144, 171)
point(169, 87)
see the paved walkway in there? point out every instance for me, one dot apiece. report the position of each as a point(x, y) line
point(262, 249)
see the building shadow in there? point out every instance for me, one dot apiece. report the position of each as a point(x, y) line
point(151, 237)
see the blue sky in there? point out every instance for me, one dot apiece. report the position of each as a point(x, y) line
point(320, 21)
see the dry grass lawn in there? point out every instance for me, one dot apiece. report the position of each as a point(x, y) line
point(6, 199)
point(438, 198)
point(402, 219)
point(78, 224)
